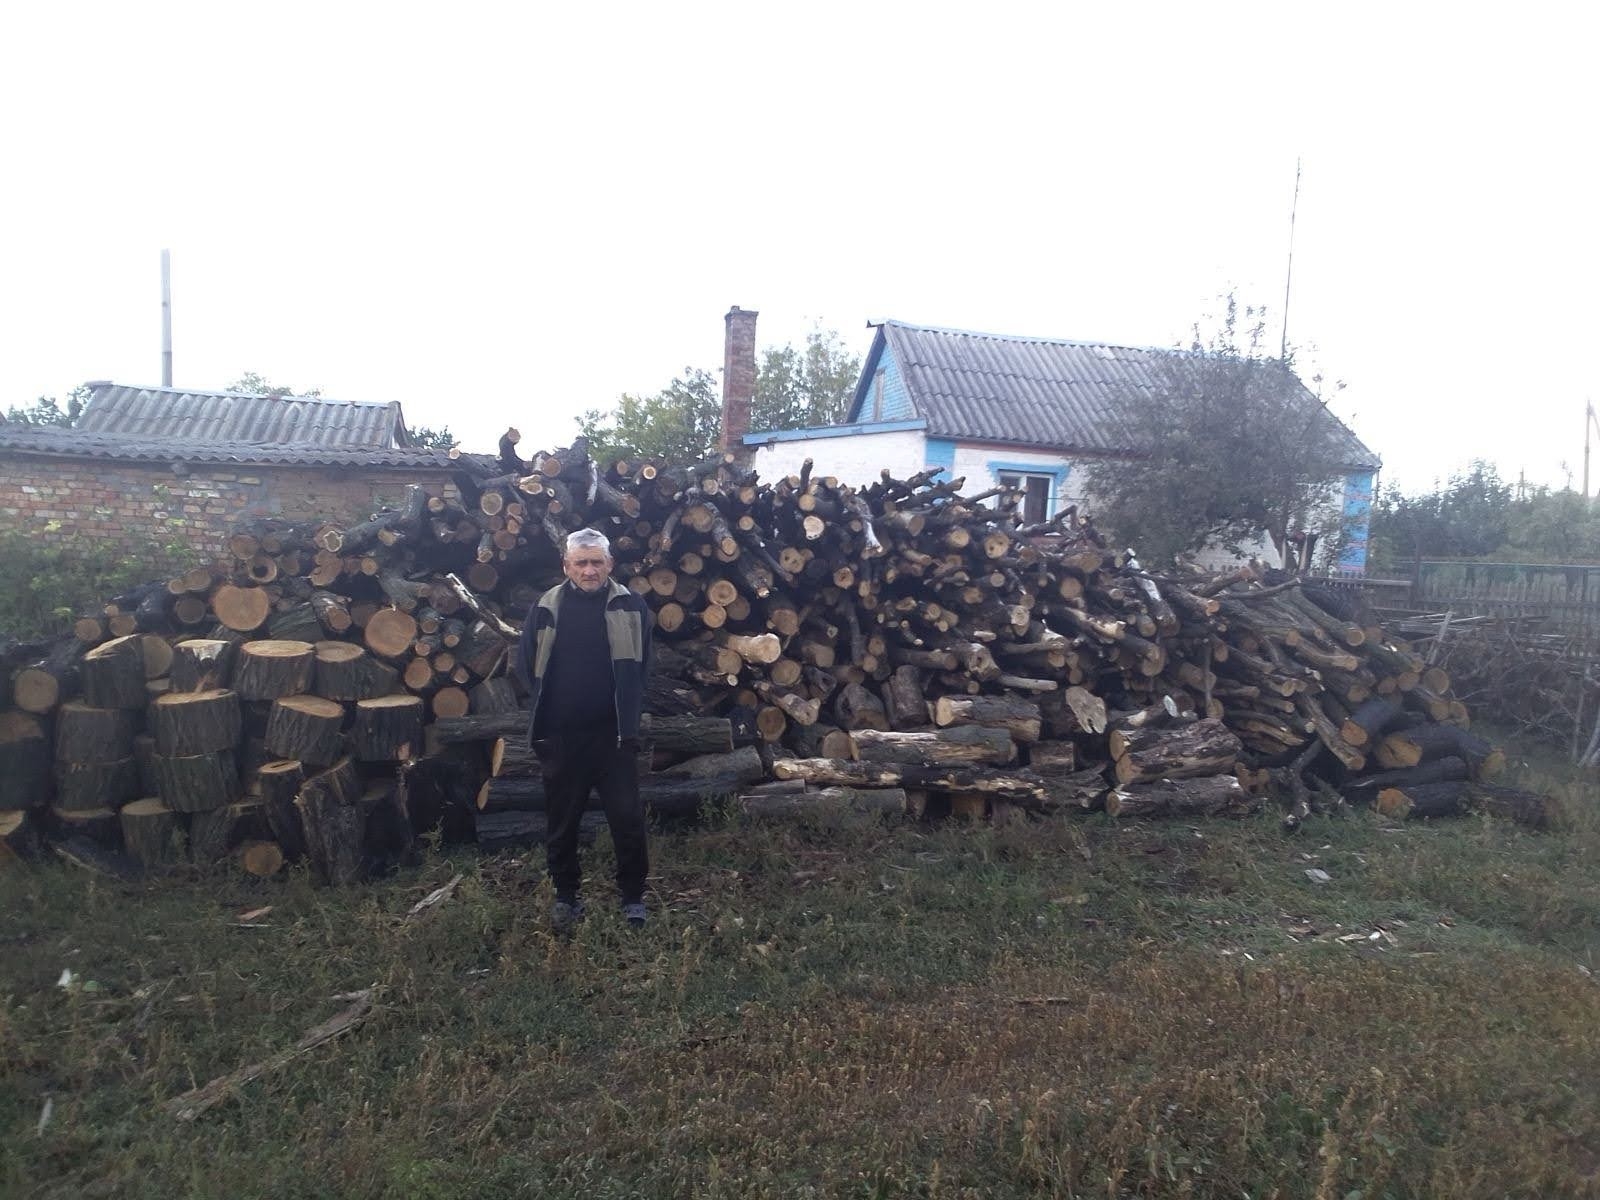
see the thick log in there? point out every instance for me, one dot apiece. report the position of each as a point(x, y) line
point(1440, 770)
point(743, 764)
point(241, 609)
point(198, 782)
point(269, 668)
point(307, 728)
point(1533, 809)
point(1082, 790)
point(1018, 786)
point(186, 723)
point(87, 734)
point(202, 664)
point(504, 829)
point(1207, 747)
point(1019, 717)
point(953, 744)
point(93, 827)
point(334, 822)
point(216, 833)
point(25, 762)
point(43, 685)
point(481, 728)
point(688, 735)
point(854, 707)
point(1370, 720)
point(388, 729)
point(1052, 757)
point(263, 859)
point(760, 649)
point(83, 787)
point(493, 696)
point(345, 671)
point(20, 840)
point(662, 796)
point(819, 741)
point(512, 757)
point(390, 632)
point(113, 674)
point(905, 699)
point(280, 783)
point(1209, 796)
point(157, 655)
point(824, 801)
point(1423, 743)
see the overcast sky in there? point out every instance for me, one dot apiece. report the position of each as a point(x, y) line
point(509, 214)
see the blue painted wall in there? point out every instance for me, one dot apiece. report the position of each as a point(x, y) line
point(940, 452)
point(896, 403)
point(1357, 521)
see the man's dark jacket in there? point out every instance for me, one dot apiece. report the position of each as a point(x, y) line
point(628, 624)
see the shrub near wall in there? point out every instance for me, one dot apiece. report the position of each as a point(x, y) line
point(44, 586)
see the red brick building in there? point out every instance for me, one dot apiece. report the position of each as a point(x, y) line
point(178, 471)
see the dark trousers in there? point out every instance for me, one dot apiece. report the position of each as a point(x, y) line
point(574, 765)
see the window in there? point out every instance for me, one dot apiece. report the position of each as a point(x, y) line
point(1035, 491)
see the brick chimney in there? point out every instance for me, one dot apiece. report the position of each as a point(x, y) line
point(738, 377)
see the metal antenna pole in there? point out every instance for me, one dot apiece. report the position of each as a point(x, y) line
point(1288, 275)
point(166, 318)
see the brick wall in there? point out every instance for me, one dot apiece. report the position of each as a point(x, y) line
point(128, 508)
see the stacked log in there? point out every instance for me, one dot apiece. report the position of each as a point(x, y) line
point(900, 636)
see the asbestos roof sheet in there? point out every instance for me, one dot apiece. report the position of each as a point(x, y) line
point(213, 417)
point(1037, 391)
point(78, 443)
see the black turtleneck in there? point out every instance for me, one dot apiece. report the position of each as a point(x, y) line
point(578, 695)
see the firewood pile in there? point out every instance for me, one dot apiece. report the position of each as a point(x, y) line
point(329, 693)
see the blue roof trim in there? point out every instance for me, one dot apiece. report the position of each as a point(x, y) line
point(869, 368)
point(832, 431)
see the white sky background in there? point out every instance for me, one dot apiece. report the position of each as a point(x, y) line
point(507, 215)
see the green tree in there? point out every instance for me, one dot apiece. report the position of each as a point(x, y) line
point(1229, 444)
point(47, 410)
point(801, 386)
point(680, 423)
point(254, 383)
point(429, 438)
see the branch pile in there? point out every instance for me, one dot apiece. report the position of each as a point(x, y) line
point(327, 692)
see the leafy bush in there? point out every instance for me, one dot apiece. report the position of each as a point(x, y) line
point(44, 586)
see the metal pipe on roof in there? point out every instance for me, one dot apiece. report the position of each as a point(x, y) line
point(166, 318)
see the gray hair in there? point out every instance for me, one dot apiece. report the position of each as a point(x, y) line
point(584, 539)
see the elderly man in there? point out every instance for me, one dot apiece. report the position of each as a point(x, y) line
point(584, 657)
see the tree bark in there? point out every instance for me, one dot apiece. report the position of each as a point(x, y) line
point(187, 723)
point(1205, 748)
point(215, 833)
point(1018, 786)
point(197, 783)
point(85, 734)
point(202, 664)
point(333, 822)
point(280, 783)
point(113, 674)
point(1208, 796)
point(82, 787)
point(388, 729)
point(953, 744)
point(1019, 717)
point(307, 728)
point(345, 671)
point(269, 669)
point(25, 761)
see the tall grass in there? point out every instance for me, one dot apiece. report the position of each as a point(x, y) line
point(1070, 1008)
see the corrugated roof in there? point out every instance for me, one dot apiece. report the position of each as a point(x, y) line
point(216, 417)
point(77, 443)
point(1034, 391)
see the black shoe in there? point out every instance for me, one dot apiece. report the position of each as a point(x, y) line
point(634, 913)
point(566, 914)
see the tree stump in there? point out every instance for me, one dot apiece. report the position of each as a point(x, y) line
point(388, 729)
point(213, 834)
point(334, 823)
point(242, 609)
point(24, 761)
point(307, 728)
point(84, 787)
point(188, 723)
point(98, 825)
point(344, 671)
point(19, 836)
point(261, 858)
point(150, 832)
point(202, 664)
point(269, 669)
point(113, 674)
point(199, 782)
point(85, 734)
point(280, 783)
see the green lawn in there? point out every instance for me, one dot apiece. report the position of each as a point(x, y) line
point(1070, 1008)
